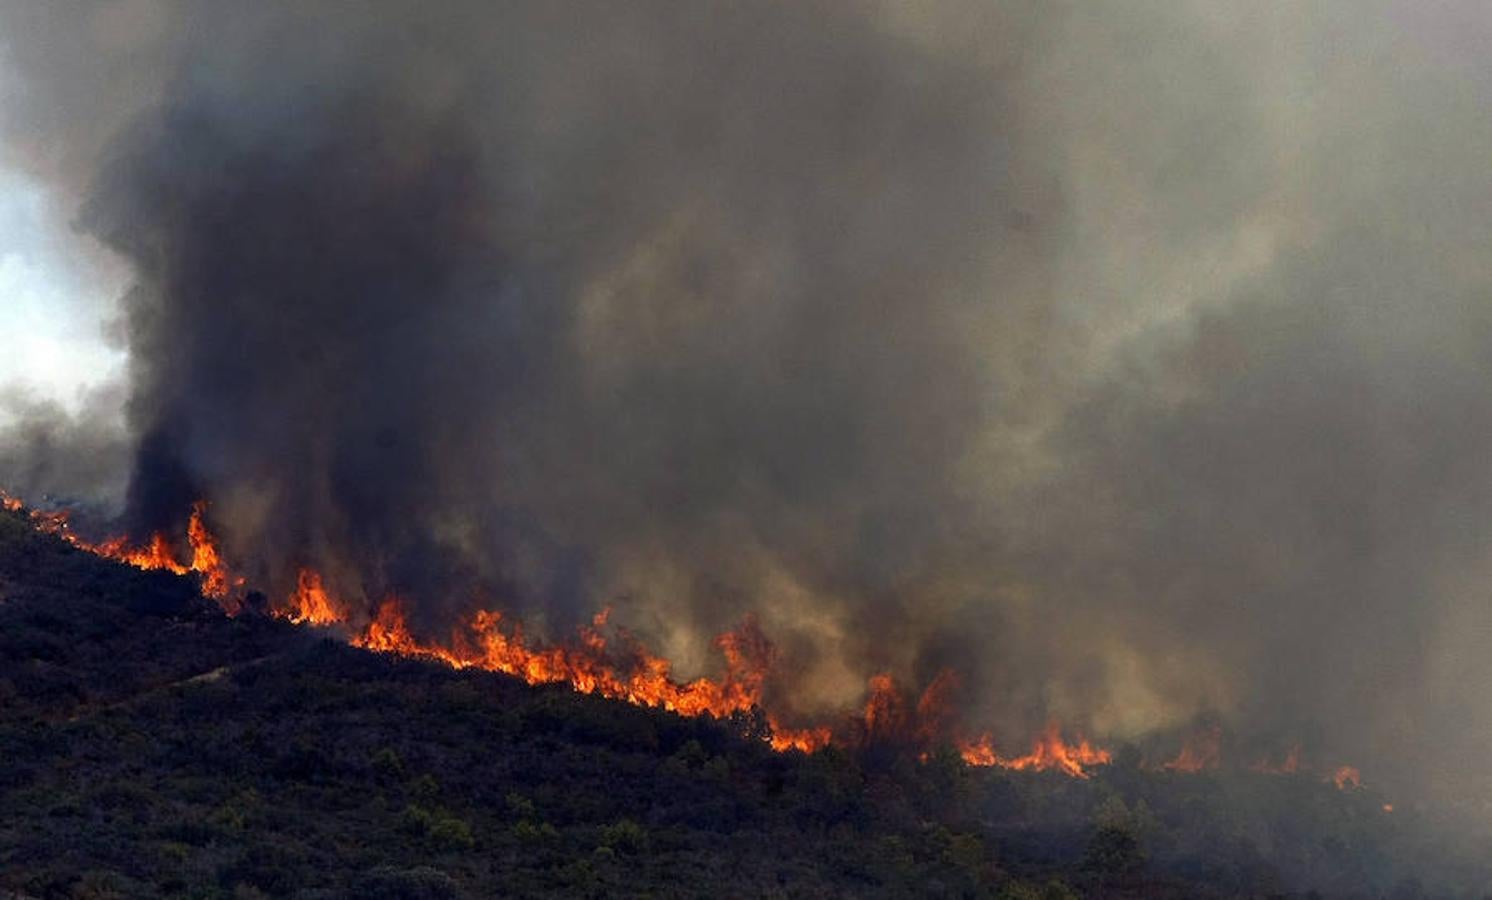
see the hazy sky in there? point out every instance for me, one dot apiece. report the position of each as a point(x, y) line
point(58, 292)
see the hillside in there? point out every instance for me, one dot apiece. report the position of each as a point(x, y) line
point(150, 746)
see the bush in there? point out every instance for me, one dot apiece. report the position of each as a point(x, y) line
point(625, 836)
point(520, 806)
point(1113, 851)
point(440, 829)
point(387, 763)
point(450, 833)
point(529, 833)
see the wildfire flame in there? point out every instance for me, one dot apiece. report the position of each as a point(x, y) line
point(1344, 777)
point(310, 603)
point(1202, 750)
point(888, 716)
point(621, 668)
point(480, 641)
point(155, 555)
point(206, 561)
point(483, 642)
point(1049, 753)
point(1289, 766)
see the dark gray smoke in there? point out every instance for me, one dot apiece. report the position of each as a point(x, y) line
point(1133, 361)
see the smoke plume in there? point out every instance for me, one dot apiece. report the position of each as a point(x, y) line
point(1131, 361)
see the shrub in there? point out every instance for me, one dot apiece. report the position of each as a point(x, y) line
point(387, 763)
point(529, 833)
point(625, 836)
point(450, 833)
point(1113, 851)
point(440, 829)
point(520, 806)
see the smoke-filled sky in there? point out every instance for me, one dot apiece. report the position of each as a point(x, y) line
point(1133, 359)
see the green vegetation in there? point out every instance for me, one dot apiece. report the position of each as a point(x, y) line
point(151, 747)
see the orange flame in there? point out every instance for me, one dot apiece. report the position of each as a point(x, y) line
point(310, 603)
point(387, 632)
point(1049, 753)
point(979, 752)
point(1202, 750)
point(885, 713)
point(1289, 766)
point(619, 667)
point(888, 716)
point(643, 679)
point(155, 555)
point(807, 740)
point(206, 560)
point(935, 708)
point(484, 642)
point(158, 554)
point(10, 504)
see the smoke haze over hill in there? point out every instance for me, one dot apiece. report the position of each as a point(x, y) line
point(1133, 361)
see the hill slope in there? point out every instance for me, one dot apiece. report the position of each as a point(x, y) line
point(150, 746)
